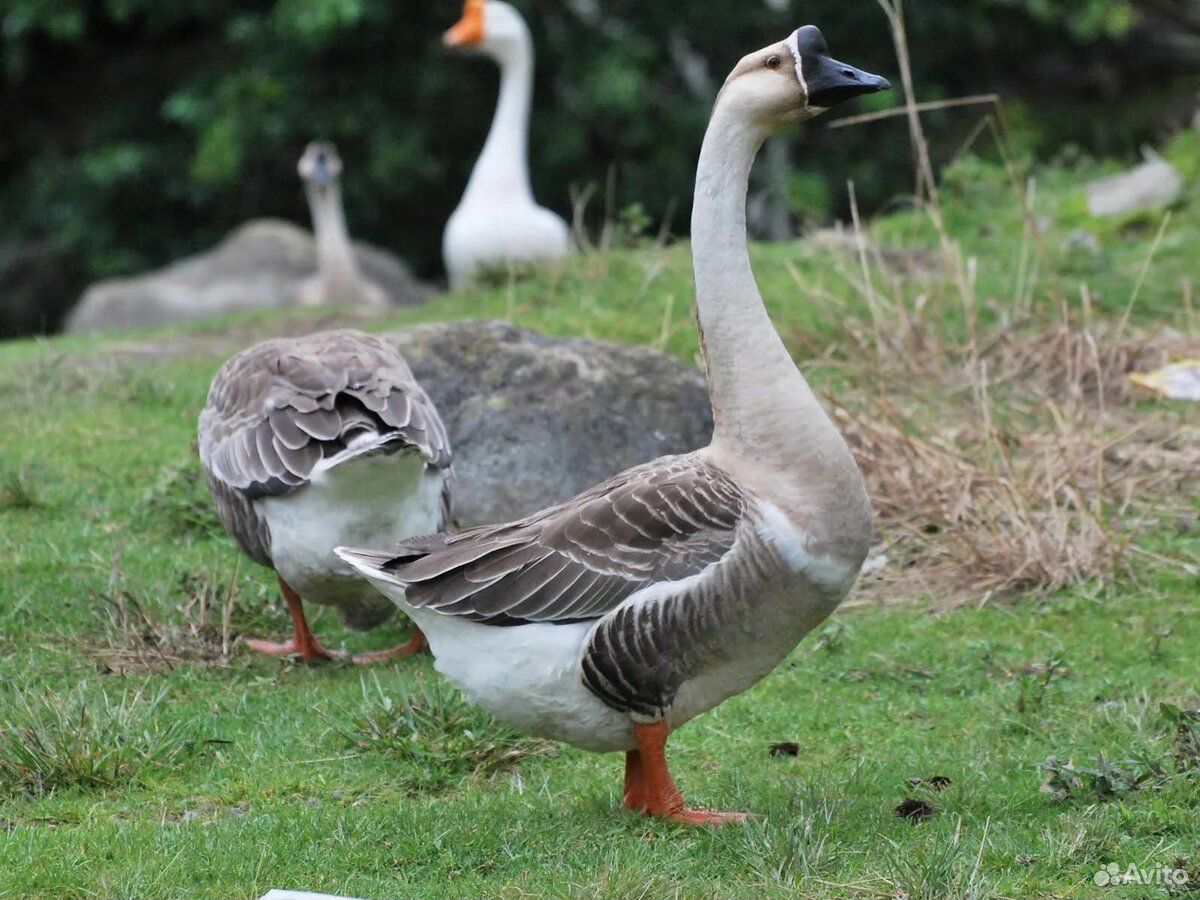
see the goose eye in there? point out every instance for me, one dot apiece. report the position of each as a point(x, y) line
point(773, 62)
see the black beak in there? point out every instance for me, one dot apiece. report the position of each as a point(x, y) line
point(831, 82)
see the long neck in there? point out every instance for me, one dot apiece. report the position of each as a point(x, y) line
point(503, 167)
point(336, 264)
point(763, 408)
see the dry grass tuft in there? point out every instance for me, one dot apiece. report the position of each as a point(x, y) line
point(972, 514)
point(1080, 364)
point(197, 632)
point(1044, 490)
point(1024, 464)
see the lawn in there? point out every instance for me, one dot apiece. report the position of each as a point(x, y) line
point(1024, 704)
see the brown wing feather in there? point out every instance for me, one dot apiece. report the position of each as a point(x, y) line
point(663, 521)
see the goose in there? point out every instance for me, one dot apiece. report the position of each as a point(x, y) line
point(498, 221)
point(610, 620)
point(310, 442)
point(338, 279)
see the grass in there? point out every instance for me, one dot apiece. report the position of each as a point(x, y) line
point(1020, 666)
point(436, 738)
point(17, 490)
point(50, 743)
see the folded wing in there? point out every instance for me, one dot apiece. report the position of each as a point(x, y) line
point(658, 523)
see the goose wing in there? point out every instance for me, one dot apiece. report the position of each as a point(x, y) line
point(281, 408)
point(662, 522)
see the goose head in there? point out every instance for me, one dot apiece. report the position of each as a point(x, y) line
point(796, 79)
point(489, 26)
point(320, 167)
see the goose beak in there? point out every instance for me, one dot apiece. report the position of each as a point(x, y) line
point(321, 176)
point(468, 31)
point(831, 82)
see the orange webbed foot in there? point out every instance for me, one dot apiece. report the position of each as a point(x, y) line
point(650, 790)
point(418, 644)
point(311, 652)
point(689, 816)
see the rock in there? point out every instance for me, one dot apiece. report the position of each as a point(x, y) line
point(1152, 185)
point(391, 274)
point(535, 420)
point(260, 265)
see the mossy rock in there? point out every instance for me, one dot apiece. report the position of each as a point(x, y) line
point(535, 420)
point(260, 265)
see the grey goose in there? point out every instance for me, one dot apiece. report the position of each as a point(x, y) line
point(307, 443)
point(612, 619)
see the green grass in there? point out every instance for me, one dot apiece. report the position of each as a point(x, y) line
point(50, 743)
point(208, 777)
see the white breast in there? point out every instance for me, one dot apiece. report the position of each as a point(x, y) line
point(370, 501)
point(488, 232)
point(527, 675)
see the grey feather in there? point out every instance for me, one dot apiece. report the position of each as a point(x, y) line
point(680, 525)
point(280, 407)
point(614, 543)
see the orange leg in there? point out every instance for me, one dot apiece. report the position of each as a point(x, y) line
point(635, 781)
point(646, 767)
point(418, 643)
point(304, 643)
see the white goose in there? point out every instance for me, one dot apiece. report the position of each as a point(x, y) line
point(617, 616)
point(498, 221)
point(338, 279)
point(310, 442)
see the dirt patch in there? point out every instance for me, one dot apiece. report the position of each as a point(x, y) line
point(915, 810)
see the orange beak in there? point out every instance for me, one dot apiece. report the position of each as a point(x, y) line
point(469, 30)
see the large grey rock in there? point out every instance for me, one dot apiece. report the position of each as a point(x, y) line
point(535, 420)
point(261, 265)
point(1152, 185)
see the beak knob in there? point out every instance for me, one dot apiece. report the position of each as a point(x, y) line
point(468, 31)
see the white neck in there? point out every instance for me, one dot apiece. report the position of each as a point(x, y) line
point(336, 265)
point(503, 168)
point(763, 408)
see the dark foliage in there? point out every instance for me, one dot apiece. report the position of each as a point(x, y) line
point(135, 131)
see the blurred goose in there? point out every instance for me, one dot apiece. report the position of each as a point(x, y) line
point(338, 279)
point(612, 619)
point(498, 221)
point(311, 442)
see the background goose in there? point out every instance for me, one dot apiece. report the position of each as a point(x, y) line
point(307, 443)
point(613, 618)
point(338, 279)
point(498, 220)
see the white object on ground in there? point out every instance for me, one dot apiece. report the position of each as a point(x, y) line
point(1152, 185)
point(1178, 381)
